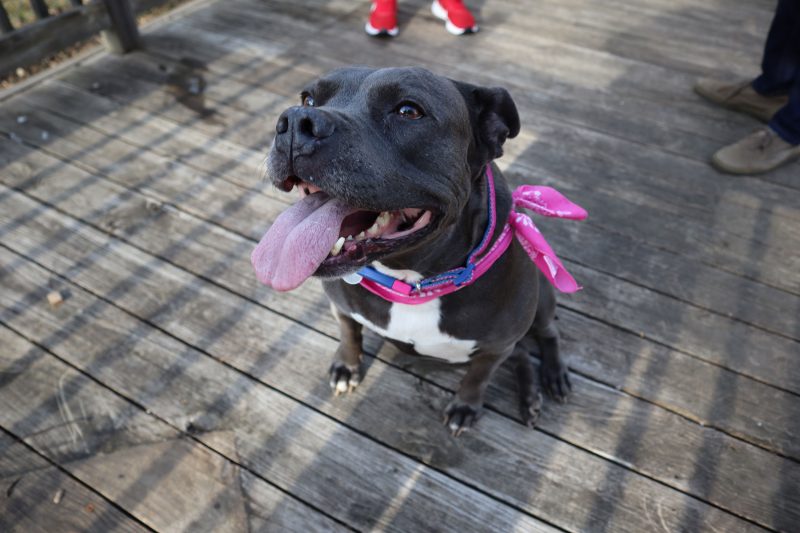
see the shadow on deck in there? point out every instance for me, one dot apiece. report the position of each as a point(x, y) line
point(170, 391)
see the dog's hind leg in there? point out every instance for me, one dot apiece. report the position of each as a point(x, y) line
point(530, 396)
point(345, 372)
point(553, 372)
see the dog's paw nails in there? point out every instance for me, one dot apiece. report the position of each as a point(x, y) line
point(344, 378)
point(529, 409)
point(557, 383)
point(459, 417)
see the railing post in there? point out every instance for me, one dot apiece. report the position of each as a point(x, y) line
point(123, 35)
point(5, 23)
point(39, 9)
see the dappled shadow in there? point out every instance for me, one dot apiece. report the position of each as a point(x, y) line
point(393, 420)
point(653, 376)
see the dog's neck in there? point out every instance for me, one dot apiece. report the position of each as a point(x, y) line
point(453, 245)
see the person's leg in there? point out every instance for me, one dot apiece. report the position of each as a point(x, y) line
point(786, 122)
point(780, 66)
point(779, 143)
point(782, 69)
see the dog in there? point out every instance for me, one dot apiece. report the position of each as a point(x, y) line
point(399, 195)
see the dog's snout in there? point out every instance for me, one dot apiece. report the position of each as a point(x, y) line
point(308, 127)
point(305, 123)
point(283, 124)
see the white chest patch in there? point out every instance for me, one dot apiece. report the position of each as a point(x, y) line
point(409, 276)
point(419, 325)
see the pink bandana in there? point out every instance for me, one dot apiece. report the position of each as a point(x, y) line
point(548, 202)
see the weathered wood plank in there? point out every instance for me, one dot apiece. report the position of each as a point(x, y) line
point(722, 295)
point(421, 35)
point(201, 151)
point(163, 478)
point(678, 193)
point(154, 239)
point(163, 188)
point(237, 209)
point(714, 227)
point(629, 363)
point(675, 35)
point(719, 400)
point(568, 104)
point(583, 108)
point(175, 484)
point(305, 453)
point(530, 56)
point(578, 27)
point(36, 496)
point(53, 33)
point(661, 190)
point(35, 41)
point(233, 330)
point(702, 233)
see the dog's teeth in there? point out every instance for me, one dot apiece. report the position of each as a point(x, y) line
point(349, 238)
point(361, 236)
point(337, 246)
point(379, 224)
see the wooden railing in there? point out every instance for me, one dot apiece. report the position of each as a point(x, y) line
point(51, 33)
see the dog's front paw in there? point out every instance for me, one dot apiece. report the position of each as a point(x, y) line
point(530, 405)
point(344, 378)
point(459, 417)
point(555, 381)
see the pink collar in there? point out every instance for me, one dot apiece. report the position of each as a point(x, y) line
point(545, 201)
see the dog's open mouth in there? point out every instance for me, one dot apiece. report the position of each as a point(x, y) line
point(324, 236)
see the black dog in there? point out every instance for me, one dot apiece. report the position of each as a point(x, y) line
point(392, 166)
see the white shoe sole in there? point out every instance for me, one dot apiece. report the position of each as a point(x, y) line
point(372, 30)
point(441, 13)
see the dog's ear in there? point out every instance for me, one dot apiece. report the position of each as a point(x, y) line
point(498, 118)
point(493, 115)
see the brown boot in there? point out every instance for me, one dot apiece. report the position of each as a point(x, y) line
point(740, 96)
point(761, 151)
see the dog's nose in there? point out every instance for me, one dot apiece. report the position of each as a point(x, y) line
point(302, 126)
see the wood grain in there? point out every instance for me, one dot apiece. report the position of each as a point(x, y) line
point(233, 332)
point(757, 417)
point(164, 479)
point(136, 195)
point(36, 496)
point(666, 273)
point(298, 449)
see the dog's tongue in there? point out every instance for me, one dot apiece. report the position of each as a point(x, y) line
point(299, 240)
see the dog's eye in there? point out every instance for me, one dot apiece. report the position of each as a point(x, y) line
point(410, 111)
point(308, 100)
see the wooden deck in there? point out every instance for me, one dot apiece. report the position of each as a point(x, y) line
point(170, 391)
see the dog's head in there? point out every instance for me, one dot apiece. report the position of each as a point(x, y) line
point(384, 160)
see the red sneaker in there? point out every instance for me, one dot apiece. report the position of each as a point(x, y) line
point(382, 18)
point(458, 19)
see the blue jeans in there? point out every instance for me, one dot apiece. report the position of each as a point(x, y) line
point(780, 69)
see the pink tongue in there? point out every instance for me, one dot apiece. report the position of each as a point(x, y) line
point(298, 241)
